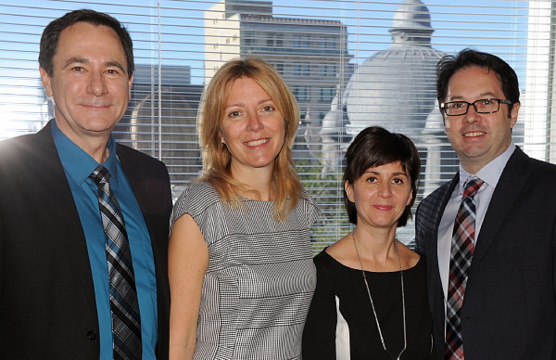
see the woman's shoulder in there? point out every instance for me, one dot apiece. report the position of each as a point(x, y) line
point(194, 200)
point(198, 191)
point(410, 259)
point(306, 198)
point(326, 261)
point(327, 267)
point(416, 265)
point(306, 207)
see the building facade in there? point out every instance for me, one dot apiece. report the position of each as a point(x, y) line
point(311, 55)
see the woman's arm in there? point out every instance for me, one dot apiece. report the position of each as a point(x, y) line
point(187, 263)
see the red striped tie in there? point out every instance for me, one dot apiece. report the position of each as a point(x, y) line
point(463, 247)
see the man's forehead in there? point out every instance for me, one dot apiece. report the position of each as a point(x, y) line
point(479, 80)
point(84, 40)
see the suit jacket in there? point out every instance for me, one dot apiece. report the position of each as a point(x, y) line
point(47, 303)
point(509, 308)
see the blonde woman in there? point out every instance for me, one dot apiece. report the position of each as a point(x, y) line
point(240, 260)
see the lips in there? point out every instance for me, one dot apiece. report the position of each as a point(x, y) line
point(257, 142)
point(96, 106)
point(383, 207)
point(474, 133)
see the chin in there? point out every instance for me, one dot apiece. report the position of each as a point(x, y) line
point(261, 163)
point(100, 125)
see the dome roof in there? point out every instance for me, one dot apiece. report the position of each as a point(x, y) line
point(412, 15)
point(396, 88)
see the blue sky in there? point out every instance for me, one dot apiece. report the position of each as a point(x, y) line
point(368, 23)
point(487, 27)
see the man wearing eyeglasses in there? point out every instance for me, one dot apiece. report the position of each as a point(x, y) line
point(489, 234)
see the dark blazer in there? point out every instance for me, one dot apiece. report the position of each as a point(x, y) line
point(47, 304)
point(509, 309)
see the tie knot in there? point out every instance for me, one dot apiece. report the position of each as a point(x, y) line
point(100, 175)
point(471, 187)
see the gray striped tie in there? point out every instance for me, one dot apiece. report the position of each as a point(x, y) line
point(124, 306)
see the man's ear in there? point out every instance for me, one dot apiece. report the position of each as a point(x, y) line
point(514, 113)
point(130, 84)
point(46, 81)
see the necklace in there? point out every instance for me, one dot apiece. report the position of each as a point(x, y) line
point(373, 304)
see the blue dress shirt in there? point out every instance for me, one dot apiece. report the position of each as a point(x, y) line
point(78, 166)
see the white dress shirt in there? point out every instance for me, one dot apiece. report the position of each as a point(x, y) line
point(490, 174)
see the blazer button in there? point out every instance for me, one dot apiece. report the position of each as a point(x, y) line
point(91, 335)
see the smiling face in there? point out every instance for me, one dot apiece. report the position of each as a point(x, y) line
point(380, 195)
point(478, 138)
point(89, 83)
point(252, 128)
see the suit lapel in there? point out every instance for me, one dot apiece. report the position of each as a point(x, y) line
point(52, 185)
point(435, 205)
point(135, 171)
point(508, 188)
point(439, 200)
point(151, 207)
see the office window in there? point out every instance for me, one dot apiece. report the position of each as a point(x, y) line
point(327, 94)
point(302, 69)
point(279, 67)
point(301, 93)
point(327, 70)
point(374, 64)
point(249, 38)
point(270, 41)
point(301, 41)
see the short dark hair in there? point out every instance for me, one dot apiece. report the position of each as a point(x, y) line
point(376, 146)
point(450, 64)
point(51, 35)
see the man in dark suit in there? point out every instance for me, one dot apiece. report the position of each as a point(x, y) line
point(55, 297)
point(509, 307)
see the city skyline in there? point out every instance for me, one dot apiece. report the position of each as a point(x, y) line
point(182, 37)
point(182, 44)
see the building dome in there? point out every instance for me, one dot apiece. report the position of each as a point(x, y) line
point(396, 88)
point(412, 15)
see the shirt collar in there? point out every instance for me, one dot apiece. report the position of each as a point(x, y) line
point(491, 172)
point(76, 162)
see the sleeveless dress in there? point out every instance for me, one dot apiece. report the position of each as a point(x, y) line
point(341, 323)
point(260, 277)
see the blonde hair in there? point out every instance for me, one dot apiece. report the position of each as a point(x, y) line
point(217, 158)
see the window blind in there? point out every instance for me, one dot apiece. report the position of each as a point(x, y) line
point(350, 63)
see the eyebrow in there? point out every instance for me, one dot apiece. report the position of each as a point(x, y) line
point(242, 104)
point(116, 64)
point(485, 95)
point(399, 173)
point(87, 61)
point(75, 60)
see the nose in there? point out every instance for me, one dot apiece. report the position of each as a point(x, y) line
point(254, 122)
point(472, 115)
point(97, 85)
point(385, 190)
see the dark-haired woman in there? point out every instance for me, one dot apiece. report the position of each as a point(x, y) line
point(371, 295)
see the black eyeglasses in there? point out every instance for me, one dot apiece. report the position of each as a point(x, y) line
point(482, 106)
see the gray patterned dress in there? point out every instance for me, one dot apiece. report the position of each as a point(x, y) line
point(260, 277)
